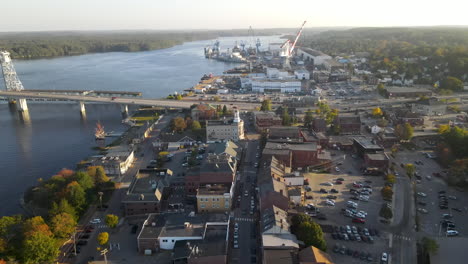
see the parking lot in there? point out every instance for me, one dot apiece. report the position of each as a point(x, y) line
point(365, 242)
point(430, 185)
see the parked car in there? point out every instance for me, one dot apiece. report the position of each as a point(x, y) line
point(451, 233)
point(359, 220)
point(334, 191)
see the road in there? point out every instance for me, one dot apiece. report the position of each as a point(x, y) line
point(121, 101)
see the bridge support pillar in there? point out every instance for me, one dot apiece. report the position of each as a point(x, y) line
point(124, 110)
point(22, 105)
point(82, 109)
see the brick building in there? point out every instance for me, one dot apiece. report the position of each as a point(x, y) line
point(264, 120)
point(348, 124)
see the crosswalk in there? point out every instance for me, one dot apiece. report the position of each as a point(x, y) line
point(402, 237)
point(101, 226)
point(244, 219)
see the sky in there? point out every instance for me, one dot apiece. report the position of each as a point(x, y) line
point(52, 15)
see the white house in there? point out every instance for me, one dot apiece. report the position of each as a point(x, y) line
point(295, 179)
point(302, 74)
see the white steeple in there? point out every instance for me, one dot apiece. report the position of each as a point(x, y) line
point(236, 116)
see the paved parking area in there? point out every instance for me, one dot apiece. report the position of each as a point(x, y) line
point(350, 173)
point(430, 221)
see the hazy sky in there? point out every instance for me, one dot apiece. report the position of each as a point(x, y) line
point(34, 15)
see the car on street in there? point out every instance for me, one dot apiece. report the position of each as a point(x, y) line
point(95, 221)
point(337, 169)
point(451, 233)
point(359, 220)
point(384, 258)
point(422, 203)
point(447, 216)
point(422, 194)
point(327, 184)
point(451, 197)
point(330, 202)
point(332, 197)
point(457, 209)
point(236, 227)
point(334, 191)
point(422, 210)
point(323, 190)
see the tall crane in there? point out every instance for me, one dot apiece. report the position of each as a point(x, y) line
point(287, 49)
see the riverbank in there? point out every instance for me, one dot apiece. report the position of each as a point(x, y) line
point(40, 45)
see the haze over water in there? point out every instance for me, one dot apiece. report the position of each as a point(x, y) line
point(57, 137)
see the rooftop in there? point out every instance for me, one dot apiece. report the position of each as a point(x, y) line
point(148, 185)
point(366, 143)
point(313, 52)
point(213, 189)
point(377, 156)
point(279, 256)
point(396, 89)
point(284, 240)
point(314, 255)
point(213, 244)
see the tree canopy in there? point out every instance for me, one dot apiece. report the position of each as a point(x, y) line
point(404, 131)
point(103, 238)
point(112, 220)
point(178, 124)
point(266, 105)
point(308, 231)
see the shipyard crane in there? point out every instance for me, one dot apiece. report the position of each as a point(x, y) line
point(287, 49)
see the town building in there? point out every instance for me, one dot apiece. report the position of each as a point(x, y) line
point(406, 92)
point(313, 255)
point(203, 112)
point(376, 161)
point(429, 107)
point(162, 231)
point(302, 74)
point(225, 129)
point(116, 162)
point(276, 85)
point(214, 198)
point(297, 156)
point(363, 145)
point(308, 54)
point(264, 120)
point(348, 124)
point(146, 192)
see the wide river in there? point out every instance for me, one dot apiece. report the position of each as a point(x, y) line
point(57, 137)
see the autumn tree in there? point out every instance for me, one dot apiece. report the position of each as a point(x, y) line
point(386, 212)
point(266, 105)
point(178, 124)
point(62, 225)
point(10, 235)
point(178, 97)
point(390, 178)
point(112, 220)
point(195, 126)
point(405, 131)
point(387, 193)
point(103, 238)
point(410, 170)
point(84, 180)
point(36, 225)
point(377, 112)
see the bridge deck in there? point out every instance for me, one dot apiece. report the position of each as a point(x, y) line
point(82, 91)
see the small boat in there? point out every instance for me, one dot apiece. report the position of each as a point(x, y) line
point(100, 134)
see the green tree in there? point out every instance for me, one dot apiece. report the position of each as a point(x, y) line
point(452, 83)
point(266, 105)
point(410, 170)
point(331, 116)
point(311, 234)
point(387, 192)
point(225, 110)
point(458, 173)
point(386, 212)
point(63, 207)
point(286, 117)
point(297, 219)
point(10, 236)
point(112, 220)
point(404, 132)
point(76, 195)
point(216, 98)
point(429, 245)
point(62, 225)
point(178, 97)
point(196, 126)
point(36, 225)
point(39, 248)
point(178, 124)
point(381, 89)
point(308, 118)
point(103, 238)
point(84, 180)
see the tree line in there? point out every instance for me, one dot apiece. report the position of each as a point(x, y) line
point(58, 204)
point(32, 45)
point(445, 50)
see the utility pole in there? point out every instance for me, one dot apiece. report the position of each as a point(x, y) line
point(100, 198)
point(103, 253)
point(74, 240)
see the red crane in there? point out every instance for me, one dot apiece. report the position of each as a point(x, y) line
point(287, 50)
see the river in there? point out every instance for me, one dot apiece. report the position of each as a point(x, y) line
point(57, 137)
